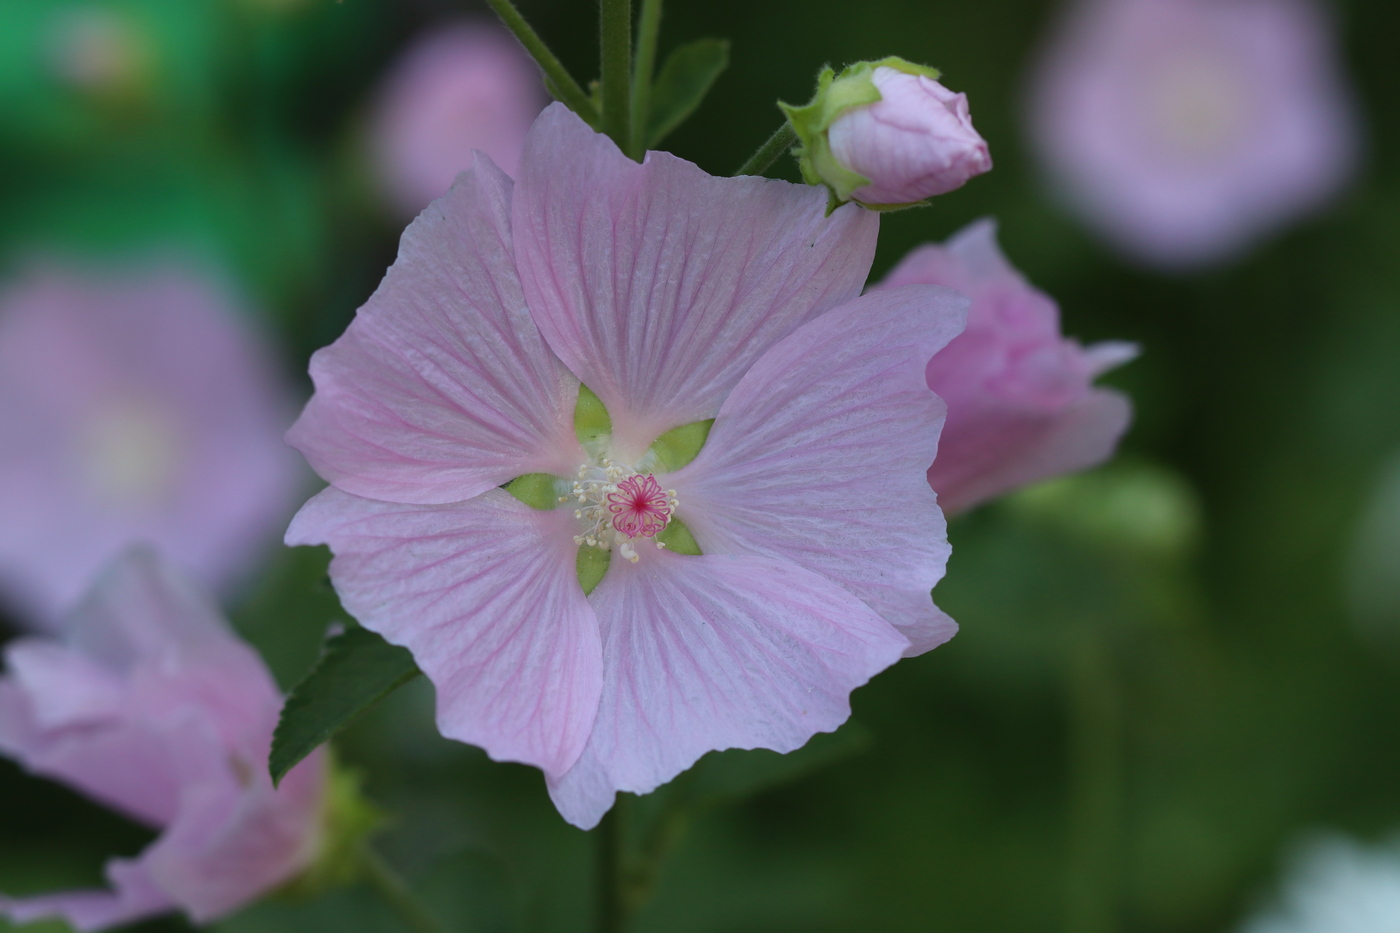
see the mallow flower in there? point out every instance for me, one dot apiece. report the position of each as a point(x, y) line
point(887, 135)
point(1021, 404)
point(453, 90)
point(578, 334)
point(1335, 884)
point(1184, 131)
point(150, 705)
point(135, 405)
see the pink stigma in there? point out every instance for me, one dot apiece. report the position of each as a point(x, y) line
point(640, 507)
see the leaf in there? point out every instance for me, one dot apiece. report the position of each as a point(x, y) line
point(684, 81)
point(591, 419)
point(535, 490)
point(679, 446)
point(357, 671)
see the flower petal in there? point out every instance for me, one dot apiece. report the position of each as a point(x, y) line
point(658, 284)
point(486, 596)
point(1024, 444)
point(819, 456)
point(134, 896)
point(714, 652)
point(442, 387)
point(233, 843)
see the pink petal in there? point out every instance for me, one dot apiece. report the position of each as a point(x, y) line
point(486, 596)
point(442, 387)
point(819, 457)
point(135, 896)
point(716, 652)
point(658, 284)
point(1021, 446)
point(232, 842)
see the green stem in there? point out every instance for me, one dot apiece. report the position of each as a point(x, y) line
point(780, 142)
point(611, 873)
point(615, 29)
point(397, 895)
point(643, 70)
point(1095, 788)
point(561, 82)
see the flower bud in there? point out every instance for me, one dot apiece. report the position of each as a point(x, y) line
point(887, 134)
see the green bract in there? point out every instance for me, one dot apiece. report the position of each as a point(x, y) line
point(838, 94)
point(593, 425)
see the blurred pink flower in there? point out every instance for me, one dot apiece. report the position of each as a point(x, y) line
point(1185, 130)
point(133, 407)
point(1020, 404)
point(461, 88)
point(676, 297)
point(917, 141)
point(150, 705)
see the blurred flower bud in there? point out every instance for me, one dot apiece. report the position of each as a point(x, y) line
point(887, 135)
point(457, 89)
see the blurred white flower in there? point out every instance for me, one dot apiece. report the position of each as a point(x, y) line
point(1336, 885)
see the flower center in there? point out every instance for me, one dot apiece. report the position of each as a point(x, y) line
point(620, 505)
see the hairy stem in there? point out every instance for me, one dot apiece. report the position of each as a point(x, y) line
point(615, 29)
point(561, 82)
point(780, 142)
point(643, 70)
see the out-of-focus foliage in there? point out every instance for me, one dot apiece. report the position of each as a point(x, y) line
point(1158, 683)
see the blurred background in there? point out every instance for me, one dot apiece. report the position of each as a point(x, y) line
point(1171, 671)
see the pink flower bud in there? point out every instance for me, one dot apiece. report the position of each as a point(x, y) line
point(917, 141)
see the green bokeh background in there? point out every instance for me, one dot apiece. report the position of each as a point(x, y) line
point(1164, 675)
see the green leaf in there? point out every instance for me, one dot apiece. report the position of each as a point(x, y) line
point(591, 564)
point(684, 81)
point(591, 419)
point(678, 538)
point(679, 446)
point(535, 490)
point(357, 671)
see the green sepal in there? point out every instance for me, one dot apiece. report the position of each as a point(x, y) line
point(358, 669)
point(537, 490)
point(591, 565)
point(347, 821)
point(679, 446)
point(677, 537)
point(837, 94)
point(592, 423)
point(689, 73)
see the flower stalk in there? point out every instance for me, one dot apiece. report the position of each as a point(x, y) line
point(1095, 787)
point(561, 83)
point(783, 139)
point(397, 894)
point(643, 70)
point(615, 32)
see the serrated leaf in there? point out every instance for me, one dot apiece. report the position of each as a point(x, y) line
point(358, 670)
point(682, 84)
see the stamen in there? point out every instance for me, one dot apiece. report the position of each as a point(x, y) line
point(620, 506)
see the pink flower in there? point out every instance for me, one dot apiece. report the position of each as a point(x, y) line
point(133, 407)
point(151, 706)
point(917, 141)
point(459, 89)
point(1020, 404)
point(1185, 130)
point(675, 297)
